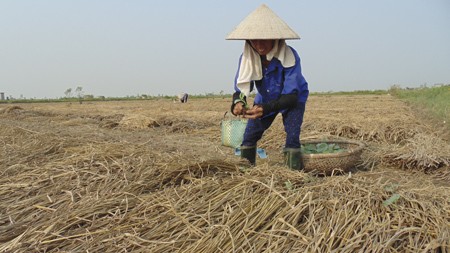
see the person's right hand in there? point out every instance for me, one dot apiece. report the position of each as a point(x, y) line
point(239, 109)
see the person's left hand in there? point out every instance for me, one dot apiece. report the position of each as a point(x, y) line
point(255, 112)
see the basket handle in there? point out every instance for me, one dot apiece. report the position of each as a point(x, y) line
point(239, 116)
point(225, 114)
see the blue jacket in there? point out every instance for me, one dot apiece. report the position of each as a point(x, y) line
point(278, 81)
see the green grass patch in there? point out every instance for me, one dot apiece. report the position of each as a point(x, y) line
point(434, 100)
point(357, 92)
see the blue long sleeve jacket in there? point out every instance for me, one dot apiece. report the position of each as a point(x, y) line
point(278, 81)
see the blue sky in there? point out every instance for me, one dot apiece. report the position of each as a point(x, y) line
point(120, 48)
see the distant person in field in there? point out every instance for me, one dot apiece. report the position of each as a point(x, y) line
point(183, 97)
point(272, 68)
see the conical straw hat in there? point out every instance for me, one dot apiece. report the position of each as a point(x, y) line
point(262, 24)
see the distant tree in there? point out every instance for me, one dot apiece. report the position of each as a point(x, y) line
point(68, 92)
point(79, 92)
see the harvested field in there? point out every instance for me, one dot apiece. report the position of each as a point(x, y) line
point(151, 176)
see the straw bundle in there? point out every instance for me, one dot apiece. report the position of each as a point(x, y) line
point(137, 121)
point(380, 132)
point(170, 123)
point(422, 152)
point(11, 109)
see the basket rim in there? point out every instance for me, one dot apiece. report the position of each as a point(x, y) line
point(229, 118)
point(360, 147)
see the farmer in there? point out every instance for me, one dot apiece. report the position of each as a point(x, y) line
point(273, 69)
point(183, 97)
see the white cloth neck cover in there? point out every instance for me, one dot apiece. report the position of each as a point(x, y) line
point(250, 68)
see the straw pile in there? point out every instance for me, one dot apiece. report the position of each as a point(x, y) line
point(87, 188)
point(419, 152)
point(10, 109)
point(139, 122)
point(394, 133)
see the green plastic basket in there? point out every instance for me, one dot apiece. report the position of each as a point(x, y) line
point(232, 131)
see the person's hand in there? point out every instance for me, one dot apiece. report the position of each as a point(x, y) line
point(239, 109)
point(254, 113)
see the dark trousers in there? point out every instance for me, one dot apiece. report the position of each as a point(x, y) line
point(184, 98)
point(292, 121)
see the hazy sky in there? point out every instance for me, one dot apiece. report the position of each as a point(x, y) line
point(120, 48)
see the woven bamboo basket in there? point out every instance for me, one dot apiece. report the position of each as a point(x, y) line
point(333, 163)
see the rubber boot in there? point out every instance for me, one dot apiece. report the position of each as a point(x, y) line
point(293, 158)
point(249, 153)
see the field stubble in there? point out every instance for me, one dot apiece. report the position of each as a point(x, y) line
point(151, 176)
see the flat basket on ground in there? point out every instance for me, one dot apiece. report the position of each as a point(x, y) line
point(333, 163)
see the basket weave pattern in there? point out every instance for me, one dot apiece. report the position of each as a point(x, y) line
point(233, 132)
point(328, 164)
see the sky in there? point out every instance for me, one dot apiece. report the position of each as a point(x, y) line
point(118, 48)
